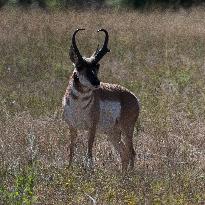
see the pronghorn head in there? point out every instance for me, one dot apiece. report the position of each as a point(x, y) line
point(86, 69)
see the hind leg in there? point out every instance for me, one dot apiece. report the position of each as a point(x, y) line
point(128, 139)
point(132, 162)
point(120, 147)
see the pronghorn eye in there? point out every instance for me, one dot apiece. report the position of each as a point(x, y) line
point(79, 68)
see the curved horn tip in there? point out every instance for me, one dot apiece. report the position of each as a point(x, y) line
point(80, 29)
point(102, 29)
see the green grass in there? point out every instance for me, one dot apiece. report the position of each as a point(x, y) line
point(158, 56)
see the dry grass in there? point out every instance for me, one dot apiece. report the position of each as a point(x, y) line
point(159, 56)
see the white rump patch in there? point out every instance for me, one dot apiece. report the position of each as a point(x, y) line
point(109, 113)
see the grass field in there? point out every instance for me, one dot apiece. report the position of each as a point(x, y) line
point(158, 56)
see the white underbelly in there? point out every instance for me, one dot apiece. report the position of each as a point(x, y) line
point(109, 115)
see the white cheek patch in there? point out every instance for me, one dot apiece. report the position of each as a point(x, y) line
point(109, 113)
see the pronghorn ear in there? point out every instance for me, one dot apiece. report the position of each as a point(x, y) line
point(73, 56)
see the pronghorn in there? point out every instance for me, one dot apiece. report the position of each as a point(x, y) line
point(98, 107)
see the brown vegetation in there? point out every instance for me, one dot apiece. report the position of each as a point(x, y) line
point(159, 56)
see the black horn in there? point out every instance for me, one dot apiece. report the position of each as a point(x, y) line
point(74, 46)
point(99, 55)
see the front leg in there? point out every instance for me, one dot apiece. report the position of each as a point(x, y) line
point(91, 138)
point(73, 137)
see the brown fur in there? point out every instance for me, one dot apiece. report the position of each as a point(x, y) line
point(124, 125)
point(109, 109)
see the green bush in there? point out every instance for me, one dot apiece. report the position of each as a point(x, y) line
point(99, 3)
